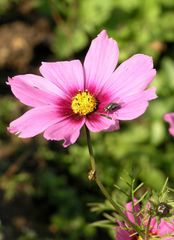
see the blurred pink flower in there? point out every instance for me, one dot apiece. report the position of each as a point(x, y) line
point(163, 230)
point(169, 117)
point(69, 94)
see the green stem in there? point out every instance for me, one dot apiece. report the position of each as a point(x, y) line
point(90, 149)
point(148, 227)
point(133, 204)
point(103, 189)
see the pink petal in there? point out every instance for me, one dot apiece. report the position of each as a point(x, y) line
point(169, 117)
point(68, 130)
point(165, 228)
point(34, 121)
point(131, 77)
point(34, 90)
point(135, 105)
point(97, 123)
point(168, 238)
point(100, 61)
point(162, 229)
point(130, 211)
point(67, 75)
point(124, 235)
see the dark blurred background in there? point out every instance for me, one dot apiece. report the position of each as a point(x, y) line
point(44, 188)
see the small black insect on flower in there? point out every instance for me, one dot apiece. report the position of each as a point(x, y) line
point(163, 209)
point(111, 107)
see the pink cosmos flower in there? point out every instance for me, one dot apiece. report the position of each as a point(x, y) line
point(69, 94)
point(169, 117)
point(164, 230)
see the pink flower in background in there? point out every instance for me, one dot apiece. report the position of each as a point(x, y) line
point(163, 230)
point(69, 94)
point(169, 117)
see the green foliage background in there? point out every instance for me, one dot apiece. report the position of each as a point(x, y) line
point(45, 185)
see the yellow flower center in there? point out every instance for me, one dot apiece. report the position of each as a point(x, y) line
point(151, 238)
point(139, 238)
point(83, 103)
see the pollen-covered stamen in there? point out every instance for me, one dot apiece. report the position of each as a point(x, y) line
point(83, 103)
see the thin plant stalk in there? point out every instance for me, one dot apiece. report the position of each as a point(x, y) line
point(147, 228)
point(93, 175)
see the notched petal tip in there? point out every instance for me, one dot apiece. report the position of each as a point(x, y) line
point(103, 33)
point(152, 93)
point(44, 63)
point(169, 117)
point(9, 80)
point(104, 36)
point(143, 58)
point(66, 142)
point(12, 129)
point(154, 72)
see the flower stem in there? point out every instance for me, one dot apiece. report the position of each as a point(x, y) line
point(148, 226)
point(93, 175)
point(91, 153)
